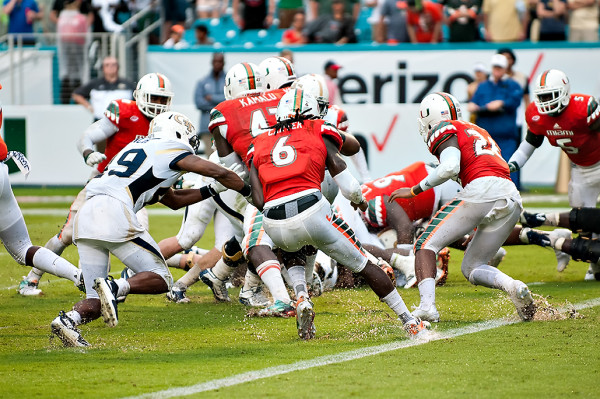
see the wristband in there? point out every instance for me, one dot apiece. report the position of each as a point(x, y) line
point(86, 156)
point(246, 190)
point(207, 192)
point(412, 192)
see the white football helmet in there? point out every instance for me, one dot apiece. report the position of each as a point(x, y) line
point(153, 94)
point(174, 126)
point(551, 91)
point(243, 79)
point(435, 108)
point(315, 85)
point(278, 72)
point(294, 102)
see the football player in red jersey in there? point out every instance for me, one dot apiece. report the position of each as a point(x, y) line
point(233, 124)
point(288, 166)
point(489, 201)
point(13, 231)
point(571, 122)
point(123, 121)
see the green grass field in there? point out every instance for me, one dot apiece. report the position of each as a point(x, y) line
point(205, 347)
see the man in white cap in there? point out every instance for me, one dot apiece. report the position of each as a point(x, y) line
point(495, 103)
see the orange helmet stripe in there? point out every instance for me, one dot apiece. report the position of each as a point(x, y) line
point(543, 78)
point(161, 81)
point(451, 105)
point(298, 99)
point(251, 76)
point(288, 65)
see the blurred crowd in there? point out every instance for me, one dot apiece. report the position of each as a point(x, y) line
point(189, 23)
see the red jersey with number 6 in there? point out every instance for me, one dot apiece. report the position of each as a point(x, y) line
point(245, 117)
point(570, 130)
point(418, 207)
point(130, 121)
point(293, 160)
point(479, 153)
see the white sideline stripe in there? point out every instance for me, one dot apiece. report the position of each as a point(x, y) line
point(337, 358)
point(65, 211)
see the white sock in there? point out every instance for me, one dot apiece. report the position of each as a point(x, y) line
point(222, 271)
point(123, 287)
point(48, 261)
point(55, 245)
point(551, 219)
point(34, 274)
point(491, 277)
point(298, 281)
point(173, 261)
point(251, 280)
point(309, 268)
point(395, 302)
point(75, 316)
point(427, 293)
point(270, 274)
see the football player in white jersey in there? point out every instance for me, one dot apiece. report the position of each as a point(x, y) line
point(142, 173)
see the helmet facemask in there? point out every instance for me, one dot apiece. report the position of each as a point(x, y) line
point(551, 94)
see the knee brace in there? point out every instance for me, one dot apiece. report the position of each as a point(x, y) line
point(232, 253)
point(585, 220)
point(585, 249)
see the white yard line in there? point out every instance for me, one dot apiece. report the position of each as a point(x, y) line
point(332, 359)
point(64, 211)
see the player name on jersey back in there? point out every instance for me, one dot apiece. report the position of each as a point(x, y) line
point(262, 98)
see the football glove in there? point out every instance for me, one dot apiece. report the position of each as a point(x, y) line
point(94, 158)
point(513, 167)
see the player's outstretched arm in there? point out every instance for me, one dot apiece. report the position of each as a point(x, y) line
point(525, 150)
point(226, 177)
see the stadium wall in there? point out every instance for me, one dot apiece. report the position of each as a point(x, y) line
point(381, 87)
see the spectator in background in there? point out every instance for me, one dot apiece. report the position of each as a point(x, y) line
point(253, 14)
point(336, 27)
point(72, 27)
point(148, 19)
point(295, 34)
point(210, 8)
point(175, 14)
point(504, 20)
point(480, 73)
point(495, 102)
point(209, 93)
point(424, 21)
point(85, 8)
point(463, 19)
point(289, 55)
point(331, 73)
point(176, 40)
point(107, 15)
point(394, 30)
point(553, 19)
point(202, 35)
point(288, 9)
point(21, 16)
point(583, 20)
point(319, 8)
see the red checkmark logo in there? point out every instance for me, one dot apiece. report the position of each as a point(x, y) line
point(381, 146)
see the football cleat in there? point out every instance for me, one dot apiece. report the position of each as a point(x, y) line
point(177, 295)
point(107, 291)
point(80, 284)
point(305, 316)
point(593, 273)
point(29, 287)
point(443, 259)
point(279, 308)
point(532, 219)
point(217, 286)
point(64, 328)
point(521, 297)
point(430, 314)
point(254, 297)
point(562, 258)
point(417, 329)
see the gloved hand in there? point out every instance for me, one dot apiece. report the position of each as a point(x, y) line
point(513, 167)
point(94, 158)
point(240, 170)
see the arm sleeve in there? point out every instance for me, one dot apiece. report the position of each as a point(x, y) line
point(523, 153)
point(349, 186)
point(96, 132)
point(447, 169)
point(360, 162)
